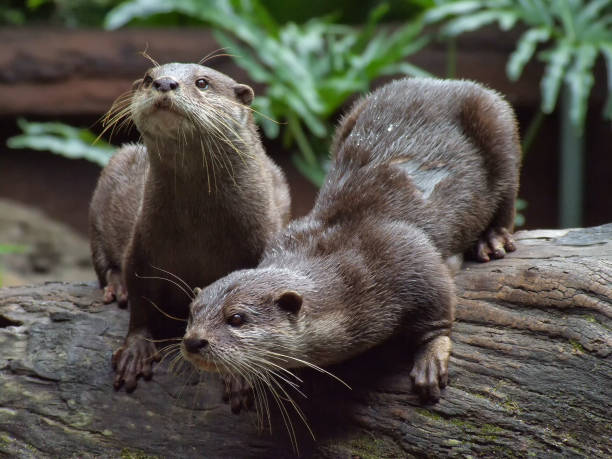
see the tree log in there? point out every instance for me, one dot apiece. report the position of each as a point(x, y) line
point(531, 374)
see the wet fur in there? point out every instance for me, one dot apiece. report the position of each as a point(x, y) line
point(198, 199)
point(421, 170)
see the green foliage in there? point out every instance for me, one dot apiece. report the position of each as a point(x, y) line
point(310, 70)
point(61, 139)
point(12, 248)
point(519, 217)
point(574, 33)
point(70, 13)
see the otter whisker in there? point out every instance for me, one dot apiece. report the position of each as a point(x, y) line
point(163, 312)
point(268, 362)
point(205, 164)
point(147, 56)
point(213, 55)
point(182, 281)
point(270, 379)
point(310, 365)
point(285, 416)
point(166, 353)
point(296, 408)
point(294, 385)
point(180, 287)
point(244, 373)
point(162, 340)
point(263, 115)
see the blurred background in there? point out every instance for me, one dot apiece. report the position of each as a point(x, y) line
point(63, 62)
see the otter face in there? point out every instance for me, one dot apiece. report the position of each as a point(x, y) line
point(173, 100)
point(242, 322)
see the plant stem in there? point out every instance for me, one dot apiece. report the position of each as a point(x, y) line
point(451, 58)
point(532, 131)
point(571, 177)
point(302, 141)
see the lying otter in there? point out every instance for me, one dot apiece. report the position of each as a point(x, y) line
point(422, 169)
point(197, 200)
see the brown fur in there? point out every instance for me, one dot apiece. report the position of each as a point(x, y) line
point(157, 205)
point(421, 170)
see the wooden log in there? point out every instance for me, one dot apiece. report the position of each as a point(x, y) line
point(531, 374)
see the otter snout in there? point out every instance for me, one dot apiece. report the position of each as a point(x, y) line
point(194, 345)
point(165, 84)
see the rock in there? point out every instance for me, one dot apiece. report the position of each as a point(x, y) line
point(531, 374)
point(48, 249)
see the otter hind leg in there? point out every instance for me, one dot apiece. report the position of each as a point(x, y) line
point(497, 239)
point(494, 243)
point(430, 370)
point(114, 288)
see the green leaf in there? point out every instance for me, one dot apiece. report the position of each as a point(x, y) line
point(448, 9)
point(525, 48)
point(557, 59)
point(470, 22)
point(265, 116)
point(61, 139)
point(580, 80)
point(591, 12)
point(244, 58)
point(316, 174)
point(406, 68)
point(203, 10)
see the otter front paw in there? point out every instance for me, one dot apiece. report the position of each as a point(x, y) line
point(238, 393)
point(494, 243)
point(134, 359)
point(430, 371)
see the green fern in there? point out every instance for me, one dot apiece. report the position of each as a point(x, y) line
point(570, 33)
point(310, 70)
point(63, 140)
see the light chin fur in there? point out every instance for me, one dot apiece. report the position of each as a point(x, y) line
point(199, 362)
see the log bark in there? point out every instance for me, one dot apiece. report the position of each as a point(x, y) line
point(531, 374)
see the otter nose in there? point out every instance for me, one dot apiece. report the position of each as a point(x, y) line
point(193, 345)
point(165, 84)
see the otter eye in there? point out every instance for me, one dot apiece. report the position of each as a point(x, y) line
point(202, 83)
point(236, 320)
point(147, 81)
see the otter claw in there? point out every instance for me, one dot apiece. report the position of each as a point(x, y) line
point(494, 243)
point(238, 393)
point(430, 371)
point(132, 360)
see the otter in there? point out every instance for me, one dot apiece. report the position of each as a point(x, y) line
point(421, 170)
point(198, 199)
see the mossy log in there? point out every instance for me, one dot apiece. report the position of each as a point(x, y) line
point(531, 374)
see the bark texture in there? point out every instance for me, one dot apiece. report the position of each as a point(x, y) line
point(531, 374)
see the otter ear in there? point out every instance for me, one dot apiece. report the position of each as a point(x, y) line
point(136, 84)
point(290, 301)
point(196, 291)
point(244, 93)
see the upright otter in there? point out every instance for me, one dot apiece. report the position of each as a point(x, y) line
point(198, 200)
point(422, 169)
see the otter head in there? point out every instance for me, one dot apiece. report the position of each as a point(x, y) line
point(248, 320)
point(173, 101)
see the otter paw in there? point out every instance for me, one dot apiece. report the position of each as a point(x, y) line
point(493, 244)
point(430, 370)
point(238, 393)
point(132, 360)
point(114, 289)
